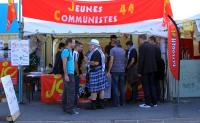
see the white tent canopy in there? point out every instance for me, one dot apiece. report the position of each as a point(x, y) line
point(153, 26)
point(182, 10)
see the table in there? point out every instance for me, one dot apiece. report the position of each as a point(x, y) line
point(49, 85)
point(32, 83)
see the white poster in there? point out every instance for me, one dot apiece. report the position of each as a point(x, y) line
point(197, 31)
point(1, 54)
point(10, 95)
point(1, 44)
point(198, 25)
point(19, 52)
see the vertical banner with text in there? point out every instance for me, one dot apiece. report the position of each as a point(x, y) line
point(173, 48)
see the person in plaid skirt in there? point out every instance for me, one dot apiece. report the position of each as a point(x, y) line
point(97, 77)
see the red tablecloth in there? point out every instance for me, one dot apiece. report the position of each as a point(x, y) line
point(7, 69)
point(51, 88)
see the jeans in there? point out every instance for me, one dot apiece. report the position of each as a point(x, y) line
point(149, 85)
point(77, 82)
point(68, 97)
point(118, 88)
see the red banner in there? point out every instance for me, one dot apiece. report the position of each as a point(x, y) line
point(93, 13)
point(7, 69)
point(167, 11)
point(12, 14)
point(173, 49)
point(51, 88)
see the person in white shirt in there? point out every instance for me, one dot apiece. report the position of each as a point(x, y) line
point(77, 74)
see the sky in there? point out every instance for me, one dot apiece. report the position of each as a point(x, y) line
point(182, 9)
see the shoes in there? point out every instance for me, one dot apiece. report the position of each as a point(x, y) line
point(93, 105)
point(144, 106)
point(100, 104)
point(115, 106)
point(71, 112)
point(155, 105)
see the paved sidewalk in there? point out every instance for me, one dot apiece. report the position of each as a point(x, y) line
point(188, 111)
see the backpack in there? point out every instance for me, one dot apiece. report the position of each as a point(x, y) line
point(58, 67)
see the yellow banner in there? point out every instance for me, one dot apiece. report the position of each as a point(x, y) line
point(188, 26)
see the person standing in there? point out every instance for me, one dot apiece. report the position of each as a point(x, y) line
point(131, 69)
point(68, 98)
point(58, 66)
point(80, 58)
point(160, 71)
point(77, 74)
point(147, 68)
point(116, 69)
point(109, 47)
point(97, 77)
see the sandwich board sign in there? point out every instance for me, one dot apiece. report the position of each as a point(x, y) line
point(11, 98)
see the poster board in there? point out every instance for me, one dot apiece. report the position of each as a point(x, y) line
point(19, 52)
point(11, 98)
point(1, 44)
point(198, 25)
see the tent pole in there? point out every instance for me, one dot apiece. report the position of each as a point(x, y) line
point(178, 93)
point(20, 75)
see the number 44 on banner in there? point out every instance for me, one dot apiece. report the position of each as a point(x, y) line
point(127, 9)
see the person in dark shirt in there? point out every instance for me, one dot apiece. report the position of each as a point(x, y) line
point(131, 69)
point(161, 68)
point(109, 47)
point(58, 65)
point(80, 59)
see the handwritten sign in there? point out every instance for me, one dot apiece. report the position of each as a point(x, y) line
point(19, 52)
point(10, 95)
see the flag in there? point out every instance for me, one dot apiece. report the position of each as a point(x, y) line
point(167, 11)
point(173, 48)
point(173, 40)
point(11, 14)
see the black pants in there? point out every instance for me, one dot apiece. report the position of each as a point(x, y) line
point(134, 91)
point(68, 97)
point(158, 90)
point(149, 85)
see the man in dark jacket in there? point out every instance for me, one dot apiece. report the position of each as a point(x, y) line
point(147, 68)
point(161, 68)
